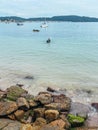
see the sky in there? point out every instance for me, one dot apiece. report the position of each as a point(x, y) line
point(48, 8)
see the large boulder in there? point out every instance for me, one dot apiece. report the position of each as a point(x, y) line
point(51, 115)
point(80, 109)
point(7, 108)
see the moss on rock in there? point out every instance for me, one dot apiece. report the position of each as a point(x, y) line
point(75, 121)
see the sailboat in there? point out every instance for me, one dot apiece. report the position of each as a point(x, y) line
point(44, 25)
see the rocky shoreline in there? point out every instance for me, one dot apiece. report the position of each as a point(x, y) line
point(48, 110)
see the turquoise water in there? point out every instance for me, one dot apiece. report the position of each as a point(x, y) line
point(70, 60)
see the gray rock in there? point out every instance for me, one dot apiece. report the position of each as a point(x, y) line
point(80, 109)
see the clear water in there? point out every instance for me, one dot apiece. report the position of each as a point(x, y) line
point(70, 60)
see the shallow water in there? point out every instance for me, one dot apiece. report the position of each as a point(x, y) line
point(69, 61)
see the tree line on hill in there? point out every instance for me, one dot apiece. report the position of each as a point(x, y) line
point(69, 18)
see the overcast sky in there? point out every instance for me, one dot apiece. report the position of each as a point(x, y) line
point(48, 8)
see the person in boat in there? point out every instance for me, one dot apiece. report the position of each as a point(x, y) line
point(48, 40)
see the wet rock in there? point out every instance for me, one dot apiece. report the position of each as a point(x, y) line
point(44, 98)
point(29, 77)
point(22, 103)
point(2, 94)
point(19, 114)
point(80, 109)
point(92, 121)
point(40, 122)
point(39, 112)
point(7, 108)
point(51, 89)
point(95, 105)
point(14, 92)
point(75, 121)
point(51, 115)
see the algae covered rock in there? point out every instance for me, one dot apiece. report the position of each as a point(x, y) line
point(14, 92)
point(75, 121)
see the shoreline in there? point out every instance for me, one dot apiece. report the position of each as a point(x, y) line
point(50, 109)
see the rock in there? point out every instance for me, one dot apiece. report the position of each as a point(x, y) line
point(19, 114)
point(29, 77)
point(80, 109)
point(6, 124)
point(95, 105)
point(67, 124)
point(29, 120)
point(60, 123)
point(61, 99)
point(92, 121)
point(12, 117)
point(40, 122)
point(49, 127)
point(51, 115)
point(58, 106)
point(44, 98)
point(22, 103)
point(2, 94)
point(32, 103)
point(60, 102)
point(14, 92)
point(51, 89)
point(75, 121)
point(26, 127)
point(26, 116)
point(39, 112)
point(7, 108)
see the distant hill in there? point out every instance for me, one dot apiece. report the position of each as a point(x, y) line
point(70, 18)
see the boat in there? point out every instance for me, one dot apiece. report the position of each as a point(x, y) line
point(44, 25)
point(36, 30)
point(19, 24)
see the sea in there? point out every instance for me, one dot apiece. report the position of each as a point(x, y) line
point(69, 61)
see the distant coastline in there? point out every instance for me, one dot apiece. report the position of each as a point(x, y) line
point(67, 18)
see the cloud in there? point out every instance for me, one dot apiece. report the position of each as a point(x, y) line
point(37, 8)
